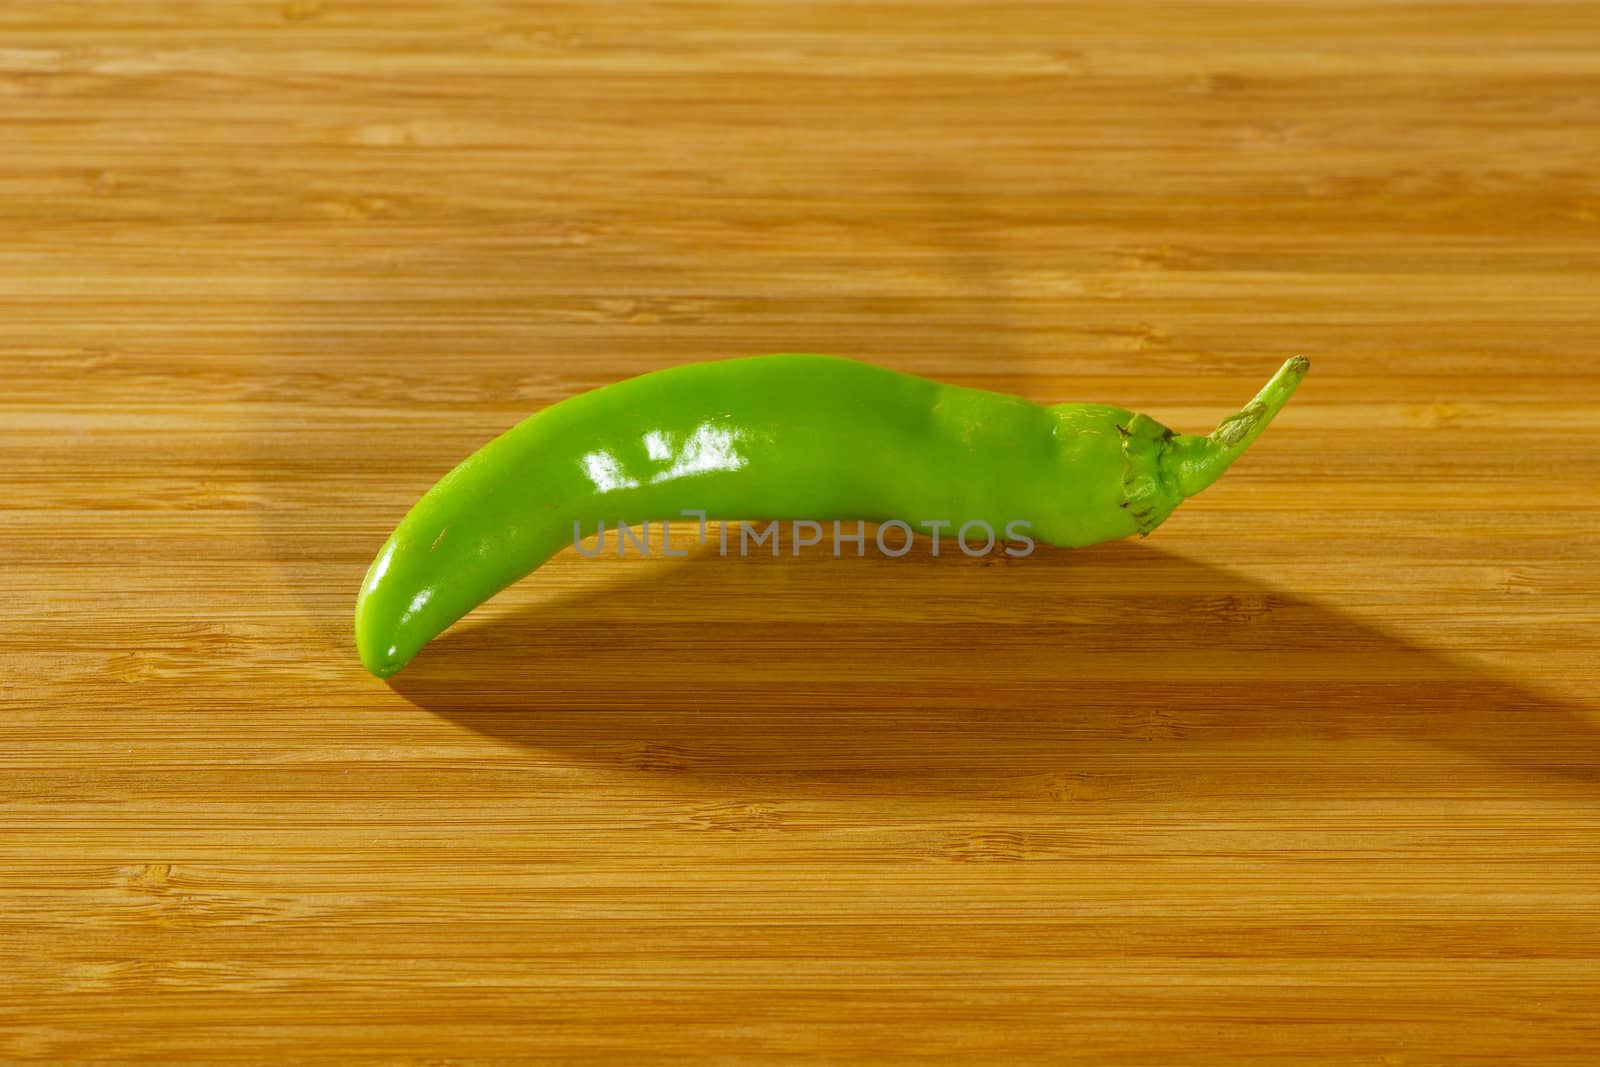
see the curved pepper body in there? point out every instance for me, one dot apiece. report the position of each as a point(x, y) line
point(777, 437)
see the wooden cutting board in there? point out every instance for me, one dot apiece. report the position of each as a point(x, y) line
point(1313, 773)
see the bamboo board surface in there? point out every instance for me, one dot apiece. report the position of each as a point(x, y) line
point(1313, 773)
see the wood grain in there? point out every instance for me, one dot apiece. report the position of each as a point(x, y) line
point(1312, 774)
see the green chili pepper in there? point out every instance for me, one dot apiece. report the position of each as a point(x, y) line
point(781, 437)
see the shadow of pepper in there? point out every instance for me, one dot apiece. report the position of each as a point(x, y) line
point(939, 673)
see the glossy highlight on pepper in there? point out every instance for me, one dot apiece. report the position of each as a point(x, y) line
point(781, 437)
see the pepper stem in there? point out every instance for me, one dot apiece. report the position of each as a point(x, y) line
point(1195, 462)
